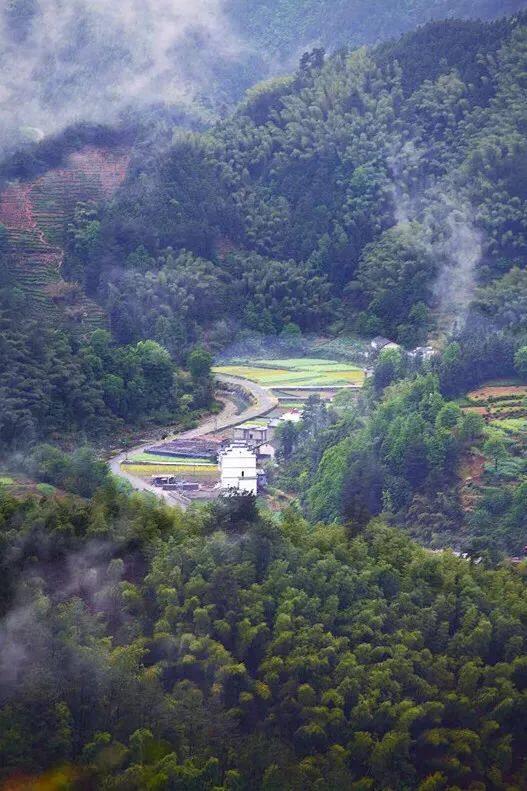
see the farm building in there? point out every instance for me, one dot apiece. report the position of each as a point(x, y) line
point(293, 416)
point(380, 344)
point(266, 452)
point(423, 353)
point(238, 469)
point(251, 433)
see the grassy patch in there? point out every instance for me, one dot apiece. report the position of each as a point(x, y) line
point(260, 422)
point(46, 488)
point(514, 424)
point(5, 480)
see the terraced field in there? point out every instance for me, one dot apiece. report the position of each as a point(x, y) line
point(35, 215)
point(503, 406)
point(296, 373)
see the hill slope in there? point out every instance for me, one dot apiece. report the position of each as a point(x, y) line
point(369, 192)
point(35, 216)
point(280, 27)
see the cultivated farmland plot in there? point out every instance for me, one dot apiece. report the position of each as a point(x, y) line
point(188, 471)
point(301, 373)
point(158, 459)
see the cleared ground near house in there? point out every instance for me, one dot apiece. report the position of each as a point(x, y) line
point(296, 373)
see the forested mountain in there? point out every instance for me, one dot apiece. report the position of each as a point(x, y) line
point(370, 191)
point(282, 26)
point(87, 61)
point(378, 189)
point(63, 64)
point(144, 649)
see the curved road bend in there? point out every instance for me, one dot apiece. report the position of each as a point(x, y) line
point(264, 402)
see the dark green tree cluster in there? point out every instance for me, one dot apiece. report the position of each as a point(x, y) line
point(79, 472)
point(52, 385)
point(224, 649)
point(398, 455)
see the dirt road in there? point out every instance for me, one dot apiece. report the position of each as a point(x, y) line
point(263, 403)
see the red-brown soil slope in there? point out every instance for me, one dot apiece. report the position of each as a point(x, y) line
point(35, 215)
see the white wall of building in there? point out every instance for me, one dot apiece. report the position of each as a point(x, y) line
point(238, 469)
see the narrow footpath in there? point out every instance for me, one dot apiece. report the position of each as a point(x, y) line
point(263, 402)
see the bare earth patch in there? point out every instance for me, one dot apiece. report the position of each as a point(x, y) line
point(484, 393)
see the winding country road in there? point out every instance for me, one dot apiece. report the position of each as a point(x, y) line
point(263, 402)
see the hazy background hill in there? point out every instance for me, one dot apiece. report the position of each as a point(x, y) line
point(64, 63)
point(283, 27)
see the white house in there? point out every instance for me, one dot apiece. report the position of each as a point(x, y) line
point(293, 416)
point(424, 352)
point(238, 469)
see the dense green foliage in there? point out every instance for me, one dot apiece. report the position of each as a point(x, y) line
point(223, 649)
point(399, 455)
point(51, 385)
point(369, 192)
point(80, 472)
point(279, 25)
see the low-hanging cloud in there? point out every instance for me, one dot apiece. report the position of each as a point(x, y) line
point(449, 230)
point(64, 61)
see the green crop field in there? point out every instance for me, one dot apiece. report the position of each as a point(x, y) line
point(296, 373)
point(513, 424)
point(154, 458)
point(188, 470)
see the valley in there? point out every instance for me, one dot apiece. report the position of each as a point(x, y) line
point(263, 396)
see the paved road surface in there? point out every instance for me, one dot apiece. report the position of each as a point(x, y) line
point(264, 402)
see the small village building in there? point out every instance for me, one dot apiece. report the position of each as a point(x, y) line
point(380, 344)
point(238, 469)
point(423, 353)
point(293, 416)
point(251, 433)
point(266, 452)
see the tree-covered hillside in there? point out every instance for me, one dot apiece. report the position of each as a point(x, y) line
point(283, 26)
point(144, 649)
point(370, 191)
point(61, 371)
point(65, 62)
